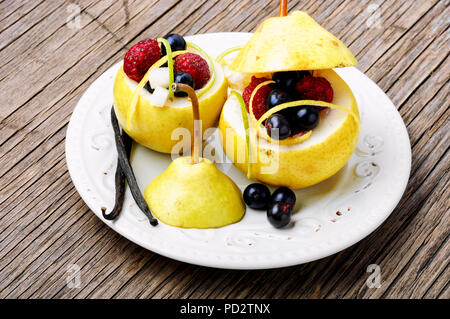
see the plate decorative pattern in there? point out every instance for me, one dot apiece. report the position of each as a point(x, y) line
point(330, 216)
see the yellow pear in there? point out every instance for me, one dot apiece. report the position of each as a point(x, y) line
point(194, 195)
point(153, 126)
point(192, 192)
point(299, 165)
point(293, 42)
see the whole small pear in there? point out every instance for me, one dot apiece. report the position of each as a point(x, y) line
point(194, 195)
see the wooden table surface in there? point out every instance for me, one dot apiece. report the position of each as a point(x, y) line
point(48, 60)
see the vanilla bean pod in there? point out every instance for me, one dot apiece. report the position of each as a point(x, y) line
point(128, 171)
point(120, 181)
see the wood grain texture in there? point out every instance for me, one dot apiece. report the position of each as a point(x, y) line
point(45, 226)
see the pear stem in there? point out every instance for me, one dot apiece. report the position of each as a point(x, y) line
point(179, 87)
point(283, 8)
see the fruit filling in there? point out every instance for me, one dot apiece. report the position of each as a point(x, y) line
point(184, 67)
point(285, 87)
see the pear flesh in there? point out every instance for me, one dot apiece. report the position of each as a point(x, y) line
point(194, 195)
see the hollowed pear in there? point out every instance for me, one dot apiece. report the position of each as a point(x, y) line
point(152, 126)
point(194, 195)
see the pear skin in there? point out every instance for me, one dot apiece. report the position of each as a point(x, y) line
point(197, 195)
point(293, 42)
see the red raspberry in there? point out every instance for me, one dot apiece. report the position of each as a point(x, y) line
point(195, 65)
point(140, 58)
point(315, 88)
point(259, 101)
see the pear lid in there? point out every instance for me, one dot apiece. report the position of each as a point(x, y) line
point(292, 42)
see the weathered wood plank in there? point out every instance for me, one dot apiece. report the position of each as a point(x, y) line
point(149, 278)
point(96, 241)
point(59, 89)
point(50, 60)
point(393, 29)
point(27, 46)
point(412, 243)
point(51, 229)
point(420, 186)
point(29, 20)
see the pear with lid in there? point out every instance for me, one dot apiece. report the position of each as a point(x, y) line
point(292, 42)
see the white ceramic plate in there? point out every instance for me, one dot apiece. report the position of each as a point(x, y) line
point(329, 217)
